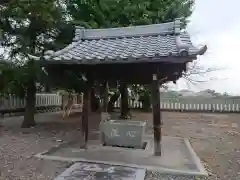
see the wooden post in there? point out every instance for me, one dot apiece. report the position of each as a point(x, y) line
point(124, 101)
point(156, 115)
point(105, 96)
point(81, 101)
point(85, 113)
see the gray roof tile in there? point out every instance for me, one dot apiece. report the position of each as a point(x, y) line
point(127, 44)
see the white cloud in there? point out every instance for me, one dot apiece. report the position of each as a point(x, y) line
point(217, 24)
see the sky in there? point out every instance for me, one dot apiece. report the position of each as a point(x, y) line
point(216, 23)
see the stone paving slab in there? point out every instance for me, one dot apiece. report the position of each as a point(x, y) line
point(96, 171)
point(177, 157)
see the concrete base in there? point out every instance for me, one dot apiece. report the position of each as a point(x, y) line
point(177, 157)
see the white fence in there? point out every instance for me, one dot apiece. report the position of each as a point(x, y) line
point(42, 100)
point(216, 104)
point(181, 104)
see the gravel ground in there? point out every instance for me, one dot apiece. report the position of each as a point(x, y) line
point(214, 137)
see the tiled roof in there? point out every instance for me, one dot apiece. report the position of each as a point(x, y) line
point(127, 44)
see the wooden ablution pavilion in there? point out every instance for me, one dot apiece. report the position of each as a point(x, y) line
point(148, 54)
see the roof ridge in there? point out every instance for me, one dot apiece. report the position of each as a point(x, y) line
point(130, 31)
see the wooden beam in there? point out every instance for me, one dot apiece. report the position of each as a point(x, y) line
point(156, 115)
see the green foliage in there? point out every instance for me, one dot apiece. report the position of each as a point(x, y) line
point(30, 27)
point(15, 77)
point(67, 80)
point(63, 38)
point(115, 13)
point(145, 97)
point(12, 79)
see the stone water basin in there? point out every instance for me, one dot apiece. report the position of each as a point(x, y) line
point(123, 133)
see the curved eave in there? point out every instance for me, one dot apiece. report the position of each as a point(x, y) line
point(167, 59)
point(52, 59)
point(184, 44)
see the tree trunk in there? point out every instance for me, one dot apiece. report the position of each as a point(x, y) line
point(30, 106)
point(125, 111)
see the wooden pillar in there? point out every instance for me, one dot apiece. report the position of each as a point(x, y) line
point(81, 101)
point(85, 113)
point(105, 96)
point(124, 100)
point(156, 115)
